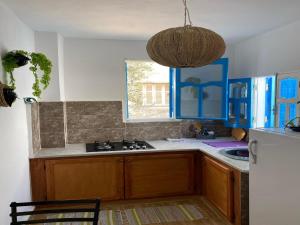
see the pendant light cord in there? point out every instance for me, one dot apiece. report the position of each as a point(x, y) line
point(186, 14)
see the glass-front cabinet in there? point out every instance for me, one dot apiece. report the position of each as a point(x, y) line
point(239, 103)
point(201, 93)
point(251, 102)
point(205, 93)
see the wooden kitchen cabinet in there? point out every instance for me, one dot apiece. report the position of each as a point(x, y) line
point(159, 175)
point(217, 185)
point(85, 177)
point(143, 176)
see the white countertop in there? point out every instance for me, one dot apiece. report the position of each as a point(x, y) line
point(185, 144)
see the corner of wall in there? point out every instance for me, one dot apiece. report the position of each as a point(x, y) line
point(52, 45)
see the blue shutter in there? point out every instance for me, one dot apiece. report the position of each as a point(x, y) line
point(282, 114)
point(201, 93)
point(288, 90)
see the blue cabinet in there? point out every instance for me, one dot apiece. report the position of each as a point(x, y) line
point(239, 103)
point(201, 93)
point(251, 102)
point(205, 93)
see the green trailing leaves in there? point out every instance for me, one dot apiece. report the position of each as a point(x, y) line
point(39, 64)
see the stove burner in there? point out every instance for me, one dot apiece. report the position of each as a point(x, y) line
point(135, 144)
point(117, 146)
point(105, 146)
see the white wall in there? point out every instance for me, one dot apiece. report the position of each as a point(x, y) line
point(275, 51)
point(14, 167)
point(61, 69)
point(51, 44)
point(95, 69)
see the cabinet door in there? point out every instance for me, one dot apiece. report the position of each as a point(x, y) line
point(85, 178)
point(218, 185)
point(240, 103)
point(159, 175)
point(201, 93)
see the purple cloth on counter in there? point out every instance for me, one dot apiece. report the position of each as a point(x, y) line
point(226, 144)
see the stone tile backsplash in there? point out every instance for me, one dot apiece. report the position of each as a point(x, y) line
point(153, 130)
point(52, 125)
point(90, 121)
point(82, 122)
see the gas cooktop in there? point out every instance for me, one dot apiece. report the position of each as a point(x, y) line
point(117, 146)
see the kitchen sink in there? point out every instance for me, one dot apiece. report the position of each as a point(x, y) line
point(237, 153)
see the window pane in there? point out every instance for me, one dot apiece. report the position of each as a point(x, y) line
point(202, 74)
point(238, 90)
point(148, 90)
point(189, 102)
point(243, 114)
point(149, 98)
point(212, 102)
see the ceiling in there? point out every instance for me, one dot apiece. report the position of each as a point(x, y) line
point(139, 19)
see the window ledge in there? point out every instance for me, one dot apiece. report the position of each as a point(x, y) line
point(150, 120)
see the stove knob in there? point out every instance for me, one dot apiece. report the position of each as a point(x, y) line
point(131, 147)
point(144, 147)
point(124, 147)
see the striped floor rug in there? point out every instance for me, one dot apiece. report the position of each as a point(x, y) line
point(151, 215)
point(145, 214)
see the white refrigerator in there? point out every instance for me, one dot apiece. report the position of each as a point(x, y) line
point(274, 177)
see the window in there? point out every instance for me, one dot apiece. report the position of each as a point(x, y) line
point(264, 102)
point(148, 91)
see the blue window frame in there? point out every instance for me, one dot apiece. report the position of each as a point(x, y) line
point(172, 88)
point(239, 103)
point(201, 93)
point(270, 102)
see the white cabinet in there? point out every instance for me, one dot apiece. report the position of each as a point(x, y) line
point(274, 177)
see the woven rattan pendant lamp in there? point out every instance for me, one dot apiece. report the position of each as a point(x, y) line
point(186, 46)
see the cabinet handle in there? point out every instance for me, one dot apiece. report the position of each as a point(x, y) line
point(253, 150)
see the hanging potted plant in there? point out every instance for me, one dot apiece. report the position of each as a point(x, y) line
point(13, 60)
point(39, 63)
point(7, 95)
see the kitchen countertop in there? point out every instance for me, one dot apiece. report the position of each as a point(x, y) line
point(184, 144)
